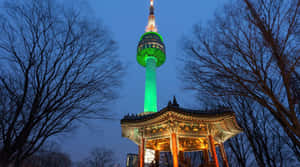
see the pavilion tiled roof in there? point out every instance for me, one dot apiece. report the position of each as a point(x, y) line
point(189, 125)
point(220, 111)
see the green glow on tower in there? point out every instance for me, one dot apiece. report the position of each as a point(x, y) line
point(150, 103)
point(151, 54)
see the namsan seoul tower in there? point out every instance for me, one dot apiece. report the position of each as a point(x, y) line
point(151, 54)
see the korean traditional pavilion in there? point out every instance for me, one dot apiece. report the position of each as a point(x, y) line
point(178, 130)
point(174, 129)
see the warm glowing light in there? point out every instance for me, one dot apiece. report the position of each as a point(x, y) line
point(149, 156)
point(151, 20)
point(174, 150)
point(151, 27)
point(142, 152)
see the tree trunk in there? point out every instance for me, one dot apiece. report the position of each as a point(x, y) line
point(4, 159)
point(17, 163)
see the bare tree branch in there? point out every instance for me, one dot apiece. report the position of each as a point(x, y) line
point(250, 50)
point(57, 68)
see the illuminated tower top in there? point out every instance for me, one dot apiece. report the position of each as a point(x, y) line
point(151, 43)
point(151, 20)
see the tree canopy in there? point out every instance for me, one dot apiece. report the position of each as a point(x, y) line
point(57, 67)
point(249, 54)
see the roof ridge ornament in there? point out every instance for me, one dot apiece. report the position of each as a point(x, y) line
point(175, 102)
point(169, 103)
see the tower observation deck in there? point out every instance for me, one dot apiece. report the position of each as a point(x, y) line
point(151, 54)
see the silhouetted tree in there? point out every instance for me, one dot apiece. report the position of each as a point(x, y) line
point(99, 157)
point(48, 156)
point(57, 67)
point(250, 50)
point(48, 159)
point(239, 152)
point(263, 142)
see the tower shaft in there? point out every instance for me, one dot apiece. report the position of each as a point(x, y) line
point(150, 104)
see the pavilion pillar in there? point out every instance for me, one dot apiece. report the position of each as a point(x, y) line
point(174, 150)
point(157, 157)
point(205, 156)
point(213, 150)
point(142, 152)
point(224, 157)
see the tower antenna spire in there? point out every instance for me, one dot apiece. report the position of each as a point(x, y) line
point(151, 27)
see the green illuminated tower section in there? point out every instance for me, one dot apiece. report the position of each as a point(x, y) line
point(151, 54)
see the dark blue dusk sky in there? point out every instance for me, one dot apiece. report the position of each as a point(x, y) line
point(126, 20)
